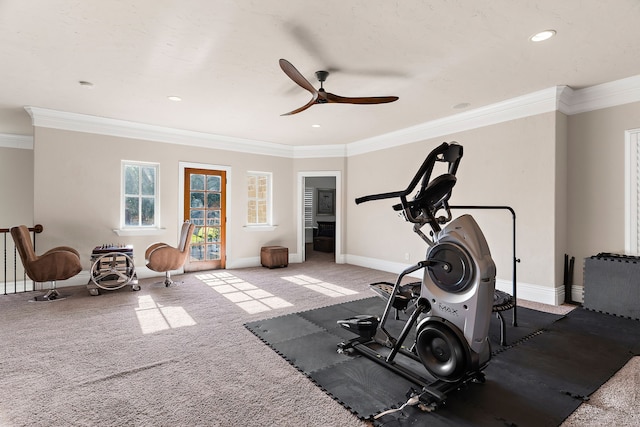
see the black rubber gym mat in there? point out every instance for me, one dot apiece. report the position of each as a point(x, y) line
point(528, 322)
point(362, 385)
point(551, 363)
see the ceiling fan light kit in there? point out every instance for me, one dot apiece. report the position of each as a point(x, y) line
point(320, 96)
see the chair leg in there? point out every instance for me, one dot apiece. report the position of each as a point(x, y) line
point(167, 279)
point(52, 294)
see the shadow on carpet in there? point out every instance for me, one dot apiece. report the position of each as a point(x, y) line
point(550, 364)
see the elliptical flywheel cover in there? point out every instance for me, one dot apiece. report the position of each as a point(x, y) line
point(454, 272)
point(441, 352)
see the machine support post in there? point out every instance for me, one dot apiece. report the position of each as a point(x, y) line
point(420, 307)
point(387, 309)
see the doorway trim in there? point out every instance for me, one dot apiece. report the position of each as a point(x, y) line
point(631, 214)
point(227, 169)
point(339, 256)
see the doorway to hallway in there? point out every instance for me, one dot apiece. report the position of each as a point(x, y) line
point(319, 238)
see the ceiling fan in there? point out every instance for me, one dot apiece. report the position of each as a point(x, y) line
point(320, 96)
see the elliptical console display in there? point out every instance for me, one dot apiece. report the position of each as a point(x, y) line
point(449, 312)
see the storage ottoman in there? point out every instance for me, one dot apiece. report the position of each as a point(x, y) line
point(324, 244)
point(274, 256)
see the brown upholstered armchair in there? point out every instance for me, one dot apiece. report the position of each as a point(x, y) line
point(163, 258)
point(59, 263)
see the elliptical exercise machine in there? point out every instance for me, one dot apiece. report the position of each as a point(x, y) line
point(450, 309)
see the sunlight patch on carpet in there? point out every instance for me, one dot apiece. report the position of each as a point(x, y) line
point(248, 297)
point(319, 286)
point(154, 317)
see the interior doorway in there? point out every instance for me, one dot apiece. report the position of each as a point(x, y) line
point(319, 237)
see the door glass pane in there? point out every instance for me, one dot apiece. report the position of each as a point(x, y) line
point(213, 217)
point(197, 252)
point(213, 234)
point(197, 199)
point(197, 217)
point(213, 200)
point(197, 182)
point(198, 235)
point(213, 252)
point(213, 183)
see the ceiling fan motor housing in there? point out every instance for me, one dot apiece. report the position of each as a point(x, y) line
point(322, 76)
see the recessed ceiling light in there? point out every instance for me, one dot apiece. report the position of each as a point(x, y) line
point(315, 126)
point(174, 98)
point(86, 84)
point(542, 35)
point(461, 105)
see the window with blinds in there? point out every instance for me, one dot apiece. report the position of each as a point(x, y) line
point(258, 198)
point(308, 207)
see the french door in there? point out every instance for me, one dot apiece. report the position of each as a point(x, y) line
point(205, 206)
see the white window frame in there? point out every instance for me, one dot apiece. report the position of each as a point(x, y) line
point(269, 224)
point(156, 211)
point(632, 192)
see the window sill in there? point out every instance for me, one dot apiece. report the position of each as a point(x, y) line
point(260, 227)
point(151, 231)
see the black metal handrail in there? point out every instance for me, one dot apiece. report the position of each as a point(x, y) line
point(36, 229)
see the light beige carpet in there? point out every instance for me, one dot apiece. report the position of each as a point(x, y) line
point(180, 356)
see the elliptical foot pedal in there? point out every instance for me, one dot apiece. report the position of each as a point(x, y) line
point(363, 325)
point(405, 294)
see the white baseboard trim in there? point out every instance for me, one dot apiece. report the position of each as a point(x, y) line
point(380, 264)
point(84, 277)
point(527, 291)
point(294, 258)
point(532, 292)
point(245, 262)
point(577, 293)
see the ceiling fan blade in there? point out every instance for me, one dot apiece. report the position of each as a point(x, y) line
point(330, 97)
point(314, 100)
point(296, 76)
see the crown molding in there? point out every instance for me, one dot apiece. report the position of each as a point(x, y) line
point(315, 151)
point(611, 94)
point(560, 98)
point(8, 140)
point(539, 102)
point(63, 120)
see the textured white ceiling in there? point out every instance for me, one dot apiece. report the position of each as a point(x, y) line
point(222, 57)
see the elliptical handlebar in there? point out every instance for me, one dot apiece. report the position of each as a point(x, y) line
point(433, 194)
